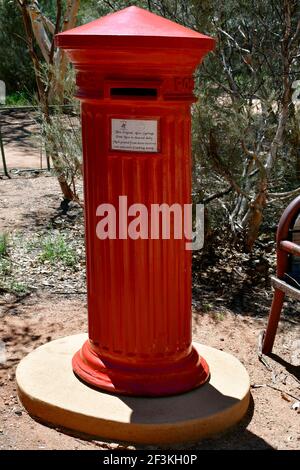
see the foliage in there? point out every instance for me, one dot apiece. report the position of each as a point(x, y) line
point(5, 267)
point(63, 137)
point(51, 71)
point(7, 281)
point(15, 65)
point(244, 127)
point(3, 244)
point(5, 264)
point(18, 98)
point(17, 288)
point(55, 248)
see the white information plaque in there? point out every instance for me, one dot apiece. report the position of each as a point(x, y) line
point(134, 135)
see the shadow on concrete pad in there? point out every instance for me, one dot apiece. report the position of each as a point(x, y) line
point(199, 403)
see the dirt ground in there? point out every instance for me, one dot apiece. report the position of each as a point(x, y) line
point(29, 320)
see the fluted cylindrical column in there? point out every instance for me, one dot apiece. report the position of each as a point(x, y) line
point(139, 291)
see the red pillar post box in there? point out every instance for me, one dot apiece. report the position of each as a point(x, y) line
point(134, 75)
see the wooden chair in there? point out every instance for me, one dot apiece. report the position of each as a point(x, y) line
point(287, 280)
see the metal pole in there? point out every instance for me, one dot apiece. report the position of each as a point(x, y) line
point(44, 146)
point(3, 156)
point(48, 161)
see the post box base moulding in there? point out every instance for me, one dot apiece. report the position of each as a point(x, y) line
point(133, 379)
point(51, 393)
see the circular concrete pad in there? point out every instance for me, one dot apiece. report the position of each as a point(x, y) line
point(51, 392)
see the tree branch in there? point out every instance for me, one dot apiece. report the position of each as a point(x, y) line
point(220, 166)
point(286, 93)
point(39, 30)
point(217, 195)
point(284, 195)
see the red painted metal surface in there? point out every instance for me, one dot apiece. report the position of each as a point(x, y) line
point(139, 291)
point(290, 247)
point(284, 248)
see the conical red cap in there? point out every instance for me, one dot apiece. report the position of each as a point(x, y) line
point(133, 27)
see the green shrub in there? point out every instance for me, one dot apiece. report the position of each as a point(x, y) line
point(5, 266)
point(56, 248)
point(18, 98)
point(3, 244)
point(17, 288)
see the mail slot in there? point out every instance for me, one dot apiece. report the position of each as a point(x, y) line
point(134, 74)
point(126, 92)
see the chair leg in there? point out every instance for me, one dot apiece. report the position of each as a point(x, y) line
point(274, 316)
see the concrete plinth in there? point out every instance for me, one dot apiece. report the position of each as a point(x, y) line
point(51, 392)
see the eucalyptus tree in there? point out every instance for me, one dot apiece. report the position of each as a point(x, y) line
point(246, 125)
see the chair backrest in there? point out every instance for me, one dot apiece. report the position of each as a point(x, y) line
point(289, 229)
point(287, 220)
point(295, 260)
